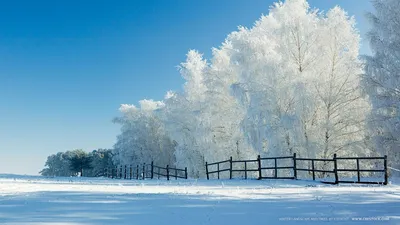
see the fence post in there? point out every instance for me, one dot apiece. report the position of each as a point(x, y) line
point(230, 171)
point(117, 172)
point(245, 170)
point(358, 170)
point(386, 170)
point(186, 173)
point(137, 172)
point(176, 174)
point(294, 167)
point(207, 171)
point(313, 171)
point(259, 167)
point(130, 172)
point(167, 172)
point(218, 170)
point(335, 168)
point(125, 173)
point(144, 170)
point(152, 169)
point(276, 169)
point(120, 172)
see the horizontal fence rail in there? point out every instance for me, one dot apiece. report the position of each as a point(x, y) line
point(292, 168)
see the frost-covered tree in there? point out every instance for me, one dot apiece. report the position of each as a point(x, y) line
point(143, 138)
point(343, 107)
point(382, 78)
point(299, 81)
point(181, 115)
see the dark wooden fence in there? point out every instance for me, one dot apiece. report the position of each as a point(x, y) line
point(169, 172)
point(218, 169)
point(244, 166)
point(270, 168)
point(274, 170)
point(359, 170)
point(145, 171)
point(314, 170)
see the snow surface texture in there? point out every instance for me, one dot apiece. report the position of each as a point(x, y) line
point(83, 201)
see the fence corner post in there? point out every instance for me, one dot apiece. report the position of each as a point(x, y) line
point(386, 170)
point(335, 169)
point(207, 171)
point(294, 167)
point(152, 169)
point(230, 170)
point(167, 172)
point(259, 167)
point(186, 173)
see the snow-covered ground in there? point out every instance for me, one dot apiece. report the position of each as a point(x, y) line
point(83, 201)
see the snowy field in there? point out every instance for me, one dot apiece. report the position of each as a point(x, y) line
point(83, 201)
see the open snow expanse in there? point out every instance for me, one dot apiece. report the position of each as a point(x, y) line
point(85, 201)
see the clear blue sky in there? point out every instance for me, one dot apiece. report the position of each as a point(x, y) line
point(66, 66)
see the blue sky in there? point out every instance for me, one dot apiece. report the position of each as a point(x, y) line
point(66, 66)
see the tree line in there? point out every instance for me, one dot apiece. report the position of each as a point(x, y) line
point(78, 163)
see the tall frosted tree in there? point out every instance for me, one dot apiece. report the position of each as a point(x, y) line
point(143, 138)
point(181, 115)
point(299, 80)
point(382, 78)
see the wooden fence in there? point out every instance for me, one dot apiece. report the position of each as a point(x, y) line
point(359, 170)
point(145, 171)
point(218, 168)
point(169, 172)
point(267, 171)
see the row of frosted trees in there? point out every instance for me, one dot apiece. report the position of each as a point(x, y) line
point(292, 83)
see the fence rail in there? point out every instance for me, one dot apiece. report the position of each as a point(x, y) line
point(294, 168)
